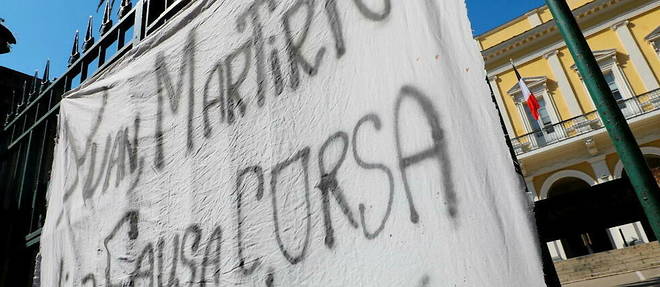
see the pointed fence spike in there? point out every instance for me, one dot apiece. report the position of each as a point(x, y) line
point(35, 80)
point(35, 84)
point(126, 7)
point(10, 114)
point(89, 35)
point(46, 72)
point(13, 101)
point(99, 5)
point(25, 87)
point(107, 22)
point(74, 50)
point(46, 78)
point(23, 95)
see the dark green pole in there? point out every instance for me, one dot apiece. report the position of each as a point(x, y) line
point(624, 142)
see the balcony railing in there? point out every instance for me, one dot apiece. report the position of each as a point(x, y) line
point(551, 134)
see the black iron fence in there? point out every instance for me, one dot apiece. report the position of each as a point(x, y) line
point(28, 134)
point(551, 134)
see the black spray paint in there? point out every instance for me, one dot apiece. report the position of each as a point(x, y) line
point(438, 151)
point(257, 171)
point(131, 218)
point(228, 98)
point(302, 157)
point(329, 185)
point(174, 93)
point(375, 120)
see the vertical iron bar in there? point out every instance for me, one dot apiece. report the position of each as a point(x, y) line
point(83, 71)
point(13, 129)
point(139, 20)
point(622, 137)
point(24, 170)
point(101, 55)
point(549, 272)
point(121, 34)
point(24, 117)
point(37, 177)
point(67, 85)
point(10, 113)
point(15, 167)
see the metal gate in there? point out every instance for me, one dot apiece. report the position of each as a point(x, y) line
point(27, 138)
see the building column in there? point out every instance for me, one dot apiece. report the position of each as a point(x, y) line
point(500, 102)
point(636, 56)
point(563, 83)
point(599, 165)
point(530, 188)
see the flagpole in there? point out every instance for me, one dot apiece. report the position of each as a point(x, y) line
point(528, 97)
point(550, 273)
point(624, 142)
point(542, 128)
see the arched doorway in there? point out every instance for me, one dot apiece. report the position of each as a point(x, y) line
point(577, 244)
point(567, 185)
point(565, 248)
point(636, 232)
point(560, 182)
point(652, 156)
point(653, 160)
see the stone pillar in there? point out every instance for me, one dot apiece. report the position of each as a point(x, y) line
point(636, 56)
point(564, 84)
point(599, 165)
point(530, 187)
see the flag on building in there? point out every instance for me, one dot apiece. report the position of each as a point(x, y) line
point(528, 96)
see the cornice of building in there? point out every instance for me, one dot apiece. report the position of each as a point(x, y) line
point(548, 30)
point(582, 14)
point(508, 23)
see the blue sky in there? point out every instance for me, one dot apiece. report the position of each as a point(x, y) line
point(44, 28)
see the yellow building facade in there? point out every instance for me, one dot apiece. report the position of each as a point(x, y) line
point(568, 147)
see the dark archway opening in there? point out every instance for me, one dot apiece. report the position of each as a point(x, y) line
point(583, 243)
point(567, 185)
point(580, 219)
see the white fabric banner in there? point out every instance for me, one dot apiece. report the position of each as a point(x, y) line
point(290, 143)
